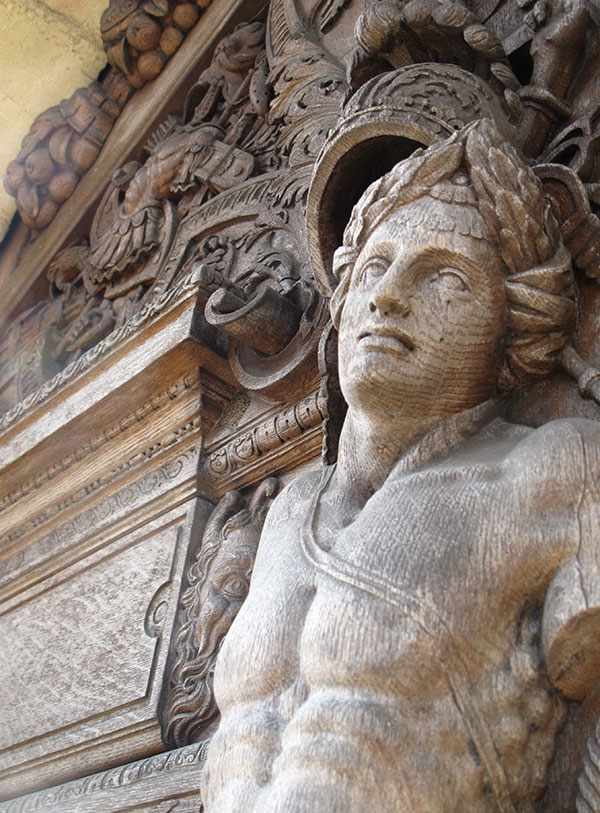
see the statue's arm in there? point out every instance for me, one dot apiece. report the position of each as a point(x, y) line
point(571, 621)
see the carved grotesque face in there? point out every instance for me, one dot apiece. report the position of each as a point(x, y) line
point(226, 587)
point(422, 325)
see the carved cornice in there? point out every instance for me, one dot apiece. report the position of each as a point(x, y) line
point(294, 432)
point(75, 456)
point(192, 756)
point(139, 492)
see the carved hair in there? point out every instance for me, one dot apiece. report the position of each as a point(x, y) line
point(539, 282)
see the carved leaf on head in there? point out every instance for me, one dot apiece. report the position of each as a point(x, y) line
point(588, 797)
point(328, 12)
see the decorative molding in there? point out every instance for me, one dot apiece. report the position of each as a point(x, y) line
point(245, 449)
point(192, 756)
point(60, 538)
point(138, 415)
point(153, 309)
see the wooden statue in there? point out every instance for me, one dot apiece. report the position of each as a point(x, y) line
point(421, 612)
point(421, 628)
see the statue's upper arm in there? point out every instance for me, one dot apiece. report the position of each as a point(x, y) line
point(571, 621)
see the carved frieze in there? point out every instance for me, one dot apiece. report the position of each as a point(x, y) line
point(147, 781)
point(293, 434)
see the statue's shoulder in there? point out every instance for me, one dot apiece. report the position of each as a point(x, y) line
point(560, 446)
point(286, 515)
point(294, 499)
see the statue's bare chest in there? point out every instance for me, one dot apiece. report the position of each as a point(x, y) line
point(419, 579)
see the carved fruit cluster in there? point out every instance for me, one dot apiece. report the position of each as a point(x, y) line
point(63, 142)
point(140, 37)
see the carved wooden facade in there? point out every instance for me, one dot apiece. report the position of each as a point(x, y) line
point(160, 373)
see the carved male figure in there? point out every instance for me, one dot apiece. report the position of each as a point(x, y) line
point(414, 611)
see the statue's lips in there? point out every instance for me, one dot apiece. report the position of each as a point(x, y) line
point(386, 338)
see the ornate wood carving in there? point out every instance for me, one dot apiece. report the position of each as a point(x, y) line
point(216, 585)
point(298, 148)
point(99, 789)
point(242, 457)
point(138, 36)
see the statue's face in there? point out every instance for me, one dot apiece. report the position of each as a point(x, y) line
point(422, 326)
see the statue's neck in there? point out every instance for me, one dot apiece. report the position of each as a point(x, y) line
point(369, 450)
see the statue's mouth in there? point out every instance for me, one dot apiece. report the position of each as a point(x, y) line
point(387, 338)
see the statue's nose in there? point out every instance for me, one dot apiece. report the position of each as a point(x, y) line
point(387, 297)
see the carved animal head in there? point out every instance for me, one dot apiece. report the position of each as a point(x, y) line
point(219, 581)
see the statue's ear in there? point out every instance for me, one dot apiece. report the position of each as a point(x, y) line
point(335, 405)
point(342, 265)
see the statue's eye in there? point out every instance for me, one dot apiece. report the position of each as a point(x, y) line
point(373, 269)
point(235, 588)
point(452, 279)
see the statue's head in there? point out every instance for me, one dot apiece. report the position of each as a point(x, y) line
point(453, 280)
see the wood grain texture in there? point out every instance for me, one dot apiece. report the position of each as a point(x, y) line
point(422, 616)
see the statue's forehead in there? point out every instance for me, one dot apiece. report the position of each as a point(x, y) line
point(433, 215)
